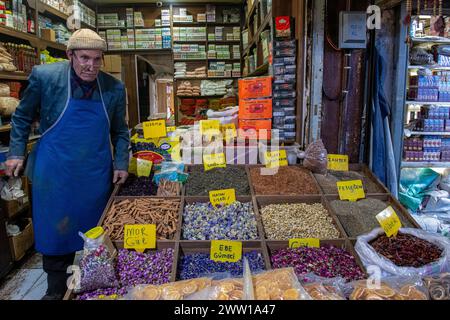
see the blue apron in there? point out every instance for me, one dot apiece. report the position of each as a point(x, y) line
point(72, 177)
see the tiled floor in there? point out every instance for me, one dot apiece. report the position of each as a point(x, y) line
point(29, 282)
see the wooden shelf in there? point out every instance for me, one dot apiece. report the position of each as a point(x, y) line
point(33, 39)
point(251, 12)
point(17, 76)
point(227, 60)
point(122, 28)
point(260, 71)
point(207, 78)
point(5, 128)
point(53, 11)
point(190, 41)
point(225, 41)
point(200, 24)
point(188, 60)
point(225, 24)
point(199, 97)
point(162, 51)
point(256, 37)
point(18, 34)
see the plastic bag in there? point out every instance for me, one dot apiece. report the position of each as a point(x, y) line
point(320, 288)
point(413, 185)
point(12, 189)
point(97, 263)
point(316, 157)
point(370, 257)
point(438, 286)
point(279, 284)
point(4, 90)
point(97, 271)
point(226, 289)
point(391, 288)
point(179, 290)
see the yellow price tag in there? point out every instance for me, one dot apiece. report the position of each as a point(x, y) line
point(144, 168)
point(210, 127)
point(276, 159)
point(140, 237)
point(216, 160)
point(171, 129)
point(351, 190)
point(222, 197)
point(389, 221)
point(226, 251)
point(308, 242)
point(132, 168)
point(229, 131)
point(154, 129)
point(337, 162)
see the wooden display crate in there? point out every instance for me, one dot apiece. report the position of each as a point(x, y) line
point(263, 201)
point(22, 242)
point(363, 170)
point(389, 200)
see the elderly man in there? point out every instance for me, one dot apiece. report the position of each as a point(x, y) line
point(81, 111)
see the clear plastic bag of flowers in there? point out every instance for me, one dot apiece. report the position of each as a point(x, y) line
point(389, 288)
point(320, 288)
point(278, 284)
point(179, 290)
point(96, 266)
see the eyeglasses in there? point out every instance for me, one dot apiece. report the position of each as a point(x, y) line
point(87, 62)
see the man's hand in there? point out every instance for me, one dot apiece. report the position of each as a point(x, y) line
point(120, 176)
point(13, 167)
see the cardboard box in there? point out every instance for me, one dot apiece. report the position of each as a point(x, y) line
point(255, 129)
point(12, 207)
point(21, 243)
point(255, 109)
point(48, 34)
point(113, 64)
point(255, 88)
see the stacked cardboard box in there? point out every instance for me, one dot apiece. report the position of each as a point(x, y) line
point(255, 108)
point(285, 93)
point(165, 17)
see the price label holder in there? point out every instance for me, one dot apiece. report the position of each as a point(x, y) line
point(212, 161)
point(222, 197)
point(275, 159)
point(308, 242)
point(154, 129)
point(389, 221)
point(351, 190)
point(140, 237)
point(338, 162)
point(226, 251)
point(144, 168)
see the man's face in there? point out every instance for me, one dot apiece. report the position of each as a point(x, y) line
point(86, 63)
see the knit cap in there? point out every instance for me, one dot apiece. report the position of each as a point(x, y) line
point(86, 39)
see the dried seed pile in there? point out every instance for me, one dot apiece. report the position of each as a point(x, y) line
point(202, 221)
point(168, 188)
point(287, 181)
point(138, 187)
point(328, 182)
point(406, 250)
point(358, 218)
point(299, 220)
point(162, 212)
point(231, 177)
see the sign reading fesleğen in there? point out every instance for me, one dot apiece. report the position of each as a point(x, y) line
point(351, 190)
